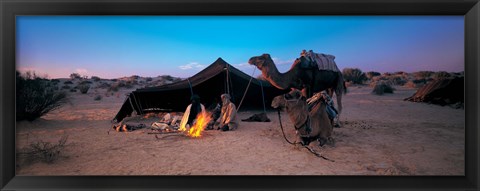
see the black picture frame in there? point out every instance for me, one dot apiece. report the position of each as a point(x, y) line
point(11, 8)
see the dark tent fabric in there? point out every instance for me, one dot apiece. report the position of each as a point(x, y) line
point(218, 78)
point(441, 92)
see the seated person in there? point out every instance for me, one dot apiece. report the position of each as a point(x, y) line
point(191, 112)
point(228, 118)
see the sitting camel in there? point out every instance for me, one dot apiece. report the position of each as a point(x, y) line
point(311, 124)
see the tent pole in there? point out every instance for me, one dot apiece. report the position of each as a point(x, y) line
point(190, 84)
point(130, 99)
point(228, 84)
point(138, 105)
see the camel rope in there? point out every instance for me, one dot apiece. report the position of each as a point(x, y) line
point(295, 143)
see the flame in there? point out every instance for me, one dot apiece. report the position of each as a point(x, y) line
point(201, 123)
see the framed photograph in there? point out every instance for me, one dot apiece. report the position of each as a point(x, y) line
point(247, 95)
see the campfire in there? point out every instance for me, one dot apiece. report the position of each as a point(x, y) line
point(201, 123)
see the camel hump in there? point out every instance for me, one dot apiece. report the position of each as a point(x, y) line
point(321, 61)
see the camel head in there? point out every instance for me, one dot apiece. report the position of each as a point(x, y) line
point(292, 99)
point(259, 61)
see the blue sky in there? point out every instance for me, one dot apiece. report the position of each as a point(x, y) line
point(117, 46)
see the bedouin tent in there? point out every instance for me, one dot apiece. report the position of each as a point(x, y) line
point(441, 92)
point(216, 79)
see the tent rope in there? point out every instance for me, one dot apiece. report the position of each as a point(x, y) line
point(263, 97)
point(246, 90)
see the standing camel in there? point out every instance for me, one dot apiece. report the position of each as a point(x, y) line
point(305, 79)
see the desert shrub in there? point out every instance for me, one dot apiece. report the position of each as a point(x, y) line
point(170, 79)
point(43, 151)
point(372, 74)
point(128, 84)
point(73, 90)
point(113, 87)
point(85, 82)
point(66, 87)
point(96, 78)
point(36, 97)
point(149, 79)
point(68, 82)
point(441, 75)
point(419, 81)
point(55, 81)
point(396, 80)
point(83, 88)
point(121, 84)
point(114, 80)
point(410, 84)
point(75, 76)
point(382, 87)
point(167, 77)
point(97, 98)
point(104, 85)
point(387, 74)
point(354, 75)
point(423, 74)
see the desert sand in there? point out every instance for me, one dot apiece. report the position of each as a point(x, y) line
point(381, 135)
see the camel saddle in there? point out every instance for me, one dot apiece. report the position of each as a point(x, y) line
point(320, 61)
point(323, 96)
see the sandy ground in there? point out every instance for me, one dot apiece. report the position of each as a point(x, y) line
point(381, 135)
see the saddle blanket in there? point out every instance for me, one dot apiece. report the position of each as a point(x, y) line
point(323, 61)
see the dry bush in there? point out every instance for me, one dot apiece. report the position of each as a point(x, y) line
point(170, 79)
point(83, 88)
point(104, 85)
point(410, 84)
point(372, 74)
point(85, 82)
point(354, 75)
point(97, 98)
point(36, 97)
point(75, 76)
point(43, 151)
point(423, 74)
point(68, 82)
point(96, 78)
point(114, 87)
point(382, 87)
point(441, 75)
point(397, 79)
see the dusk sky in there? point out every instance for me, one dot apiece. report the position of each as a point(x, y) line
point(181, 46)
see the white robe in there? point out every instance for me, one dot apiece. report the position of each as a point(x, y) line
point(184, 120)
